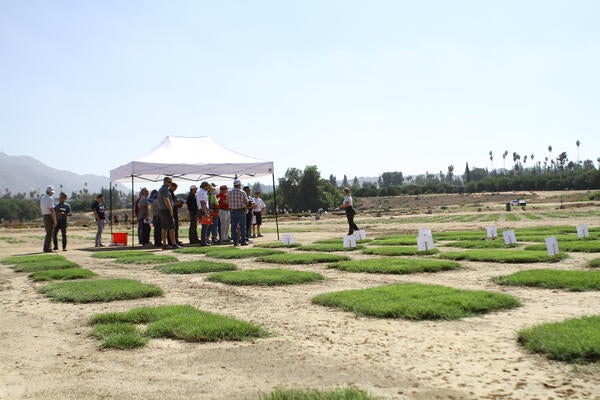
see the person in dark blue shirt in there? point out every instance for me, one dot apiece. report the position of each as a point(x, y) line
point(62, 210)
point(100, 217)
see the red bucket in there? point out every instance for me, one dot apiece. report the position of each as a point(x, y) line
point(119, 238)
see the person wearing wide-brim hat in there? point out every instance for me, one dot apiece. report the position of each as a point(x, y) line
point(350, 212)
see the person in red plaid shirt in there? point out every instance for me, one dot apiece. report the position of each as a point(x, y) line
point(238, 201)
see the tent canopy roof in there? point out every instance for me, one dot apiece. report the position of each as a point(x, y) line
point(191, 158)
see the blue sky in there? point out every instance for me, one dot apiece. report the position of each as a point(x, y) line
point(356, 88)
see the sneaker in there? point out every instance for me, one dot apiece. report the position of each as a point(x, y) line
point(236, 244)
point(55, 248)
point(244, 243)
point(259, 235)
point(64, 249)
point(177, 247)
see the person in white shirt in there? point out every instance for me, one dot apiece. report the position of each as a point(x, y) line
point(202, 202)
point(257, 217)
point(49, 216)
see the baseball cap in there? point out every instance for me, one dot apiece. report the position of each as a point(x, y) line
point(193, 187)
point(237, 182)
point(50, 189)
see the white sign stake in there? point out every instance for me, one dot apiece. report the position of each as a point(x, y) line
point(509, 237)
point(360, 234)
point(492, 232)
point(349, 241)
point(288, 239)
point(582, 231)
point(552, 246)
point(425, 240)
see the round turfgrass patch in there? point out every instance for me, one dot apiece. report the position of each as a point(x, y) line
point(395, 265)
point(121, 253)
point(62, 274)
point(329, 247)
point(100, 290)
point(195, 267)
point(417, 301)
point(237, 253)
point(584, 246)
point(192, 250)
point(398, 251)
point(176, 322)
point(32, 258)
point(504, 256)
point(595, 263)
point(573, 340)
point(553, 279)
point(146, 259)
point(302, 258)
point(265, 277)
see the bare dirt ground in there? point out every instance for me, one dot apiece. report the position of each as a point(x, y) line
point(48, 352)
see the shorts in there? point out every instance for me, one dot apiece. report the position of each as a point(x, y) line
point(258, 218)
point(166, 219)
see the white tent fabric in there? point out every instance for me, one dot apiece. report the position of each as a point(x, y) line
point(191, 158)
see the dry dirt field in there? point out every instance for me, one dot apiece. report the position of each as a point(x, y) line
point(48, 351)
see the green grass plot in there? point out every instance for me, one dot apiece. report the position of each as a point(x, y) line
point(62, 274)
point(302, 258)
point(121, 253)
point(238, 253)
point(395, 265)
point(584, 246)
point(146, 259)
point(276, 245)
point(398, 251)
point(329, 247)
point(595, 263)
point(479, 244)
point(416, 301)
point(195, 267)
point(99, 290)
point(575, 340)
point(265, 277)
point(503, 256)
point(553, 279)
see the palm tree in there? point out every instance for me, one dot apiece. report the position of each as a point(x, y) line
point(504, 159)
point(532, 160)
point(577, 143)
point(550, 152)
point(491, 161)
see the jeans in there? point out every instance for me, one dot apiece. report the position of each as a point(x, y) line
point(61, 225)
point(193, 235)
point(225, 219)
point(214, 228)
point(143, 232)
point(238, 221)
point(99, 230)
point(156, 226)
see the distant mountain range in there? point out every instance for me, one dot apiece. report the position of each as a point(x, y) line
point(23, 174)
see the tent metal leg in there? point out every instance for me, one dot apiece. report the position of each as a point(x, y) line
point(111, 208)
point(132, 210)
point(275, 201)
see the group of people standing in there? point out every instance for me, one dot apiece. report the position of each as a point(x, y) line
point(216, 212)
point(55, 219)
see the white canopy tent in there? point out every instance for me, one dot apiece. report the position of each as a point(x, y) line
point(192, 159)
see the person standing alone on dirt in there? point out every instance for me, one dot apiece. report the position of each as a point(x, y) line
point(100, 217)
point(62, 210)
point(49, 216)
point(350, 212)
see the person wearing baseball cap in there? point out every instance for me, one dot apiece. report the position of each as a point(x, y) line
point(192, 207)
point(49, 216)
point(238, 203)
point(224, 215)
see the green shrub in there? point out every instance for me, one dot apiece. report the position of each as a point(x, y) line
point(416, 301)
point(62, 274)
point(504, 256)
point(101, 290)
point(195, 267)
point(302, 258)
point(265, 277)
point(395, 265)
point(553, 279)
point(573, 340)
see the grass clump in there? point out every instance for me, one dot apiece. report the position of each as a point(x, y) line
point(595, 263)
point(416, 301)
point(575, 340)
point(32, 258)
point(553, 279)
point(265, 277)
point(504, 256)
point(62, 274)
point(11, 240)
point(146, 259)
point(310, 394)
point(340, 241)
point(121, 253)
point(192, 250)
point(100, 290)
point(236, 253)
point(328, 247)
point(460, 235)
point(36, 266)
point(398, 251)
point(395, 265)
point(195, 267)
point(585, 246)
point(119, 335)
point(302, 258)
point(276, 245)
point(479, 244)
point(176, 322)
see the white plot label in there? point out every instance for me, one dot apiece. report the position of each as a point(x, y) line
point(552, 246)
point(349, 241)
point(509, 237)
point(583, 231)
point(360, 234)
point(288, 239)
point(425, 240)
point(492, 232)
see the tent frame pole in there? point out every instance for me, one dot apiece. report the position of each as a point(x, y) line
point(111, 208)
point(275, 200)
point(132, 210)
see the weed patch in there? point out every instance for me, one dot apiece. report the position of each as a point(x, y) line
point(195, 267)
point(553, 279)
point(417, 301)
point(100, 290)
point(265, 277)
point(595, 263)
point(574, 340)
point(302, 258)
point(62, 274)
point(395, 265)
